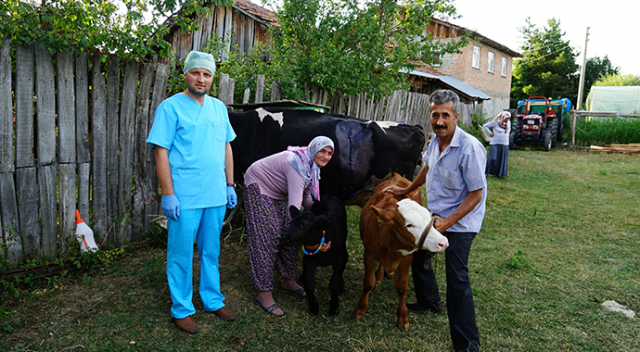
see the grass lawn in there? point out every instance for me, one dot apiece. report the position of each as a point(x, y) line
point(561, 235)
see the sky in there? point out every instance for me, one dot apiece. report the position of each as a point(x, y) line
point(614, 25)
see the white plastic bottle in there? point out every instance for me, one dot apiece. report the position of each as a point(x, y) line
point(84, 235)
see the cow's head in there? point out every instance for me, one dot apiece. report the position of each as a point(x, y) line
point(306, 228)
point(409, 216)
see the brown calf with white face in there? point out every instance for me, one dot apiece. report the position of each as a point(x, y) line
point(391, 229)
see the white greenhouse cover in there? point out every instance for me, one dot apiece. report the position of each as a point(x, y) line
point(622, 99)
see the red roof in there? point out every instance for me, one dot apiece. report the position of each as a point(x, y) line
point(422, 67)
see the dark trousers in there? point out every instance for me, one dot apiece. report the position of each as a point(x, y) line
point(462, 316)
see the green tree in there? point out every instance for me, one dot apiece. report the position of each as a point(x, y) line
point(595, 69)
point(618, 79)
point(350, 46)
point(548, 67)
point(88, 25)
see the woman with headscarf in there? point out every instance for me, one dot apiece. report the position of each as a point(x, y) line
point(272, 184)
point(498, 160)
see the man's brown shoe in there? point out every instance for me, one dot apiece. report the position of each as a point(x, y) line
point(225, 314)
point(186, 324)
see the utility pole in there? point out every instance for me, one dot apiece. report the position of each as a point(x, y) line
point(584, 64)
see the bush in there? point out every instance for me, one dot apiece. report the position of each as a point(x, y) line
point(608, 131)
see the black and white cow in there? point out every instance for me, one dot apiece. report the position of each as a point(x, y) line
point(366, 152)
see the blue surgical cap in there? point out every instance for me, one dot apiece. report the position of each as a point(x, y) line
point(197, 59)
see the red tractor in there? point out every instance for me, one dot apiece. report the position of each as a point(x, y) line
point(539, 120)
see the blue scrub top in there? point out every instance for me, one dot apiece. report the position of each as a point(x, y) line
point(195, 137)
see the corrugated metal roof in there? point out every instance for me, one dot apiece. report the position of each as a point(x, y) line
point(455, 84)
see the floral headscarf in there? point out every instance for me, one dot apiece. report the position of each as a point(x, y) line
point(505, 115)
point(301, 158)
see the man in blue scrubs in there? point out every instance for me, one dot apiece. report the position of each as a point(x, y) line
point(456, 194)
point(191, 134)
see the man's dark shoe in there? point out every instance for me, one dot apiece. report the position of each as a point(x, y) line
point(432, 307)
point(225, 314)
point(186, 324)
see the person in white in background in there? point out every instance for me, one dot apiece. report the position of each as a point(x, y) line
point(498, 159)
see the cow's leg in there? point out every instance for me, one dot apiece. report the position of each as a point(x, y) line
point(336, 285)
point(379, 276)
point(309, 284)
point(401, 284)
point(369, 282)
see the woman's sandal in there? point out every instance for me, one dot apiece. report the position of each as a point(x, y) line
point(269, 309)
point(299, 292)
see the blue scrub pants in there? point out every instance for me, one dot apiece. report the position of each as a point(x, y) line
point(462, 316)
point(205, 225)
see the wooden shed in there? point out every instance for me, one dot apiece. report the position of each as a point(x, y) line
point(241, 25)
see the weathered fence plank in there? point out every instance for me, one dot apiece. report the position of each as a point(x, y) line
point(46, 108)
point(66, 108)
point(67, 202)
point(231, 90)
point(223, 88)
point(25, 69)
point(152, 207)
point(10, 223)
point(27, 195)
point(126, 135)
point(141, 153)
point(82, 109)
point(112, 125)
point(48, 205)
point(259, 89)
point(99, 149)
point(275, 91)
point(84, 174)
point(6, 108)
point(247, 94)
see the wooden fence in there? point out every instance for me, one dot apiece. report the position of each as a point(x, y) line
point(72, 136)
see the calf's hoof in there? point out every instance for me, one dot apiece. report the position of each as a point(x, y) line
point(377, 285)
point(357, 317)
point(403, 328)
point(314, 309)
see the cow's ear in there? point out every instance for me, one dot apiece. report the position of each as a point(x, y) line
point(293, 211)
point(323, 224)
point(381, 213)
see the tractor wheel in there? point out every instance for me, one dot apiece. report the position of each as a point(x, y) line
point(560, 134)
point(515, 131)
point(553, 130)
point(548, 141)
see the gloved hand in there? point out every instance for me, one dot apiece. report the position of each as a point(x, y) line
point(232, 199)
point(171, 206)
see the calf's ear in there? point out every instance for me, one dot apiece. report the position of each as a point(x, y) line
point(293, 211)
point(381, 213)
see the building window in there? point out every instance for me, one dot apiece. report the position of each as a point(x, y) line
point(476, 57)
point(504, 66)
point(436, 59)
point(491, 58)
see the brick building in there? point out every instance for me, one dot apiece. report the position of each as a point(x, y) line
point(484, 64)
